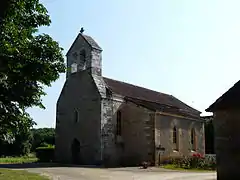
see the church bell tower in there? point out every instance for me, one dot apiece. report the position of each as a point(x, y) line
point(84, 55)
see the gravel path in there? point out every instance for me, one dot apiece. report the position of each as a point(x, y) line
point(80, 173)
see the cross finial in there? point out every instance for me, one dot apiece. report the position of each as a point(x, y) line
point(82, 30)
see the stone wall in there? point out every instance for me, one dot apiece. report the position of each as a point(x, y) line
point(164, 135)
point(142, 132)
point(136, 144)
point(79, 93)
point(109, 107)
point(137, 134)
point(227, 143)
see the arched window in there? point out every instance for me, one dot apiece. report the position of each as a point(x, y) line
point(174, 135)
point(175, 139)
point(119, 127)
point(193, 139)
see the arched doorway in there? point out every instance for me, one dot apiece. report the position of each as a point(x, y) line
point(75, 151)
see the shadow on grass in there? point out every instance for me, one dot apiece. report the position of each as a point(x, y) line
point(43, 165)
point(58, 165)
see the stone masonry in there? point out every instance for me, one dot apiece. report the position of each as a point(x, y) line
point(87, 116)
point(227, 140)
point(226, 121)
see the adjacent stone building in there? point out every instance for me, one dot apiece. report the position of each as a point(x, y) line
point(105, 121)
point(226, 120)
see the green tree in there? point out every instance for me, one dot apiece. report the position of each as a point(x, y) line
point(3, 9)
point(18, 140)
point(23, 136)
point(209, 136)
point(42, 137)
point(28, 61)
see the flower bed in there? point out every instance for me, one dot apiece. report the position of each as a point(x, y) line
point(196, 161)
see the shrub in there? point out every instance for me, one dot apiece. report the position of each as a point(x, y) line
point(196, 161)
point(45, 154)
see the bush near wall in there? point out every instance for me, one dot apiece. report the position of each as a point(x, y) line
point(45, 154)
point(196, 161)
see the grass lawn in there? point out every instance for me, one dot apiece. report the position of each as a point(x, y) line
point(6, 174)
point(18, 160)
point(171, 166)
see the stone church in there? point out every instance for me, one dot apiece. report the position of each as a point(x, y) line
point(109, 122)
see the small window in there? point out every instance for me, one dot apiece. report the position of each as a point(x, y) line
point(76, 116)
point(193, 139)
point(119, 127)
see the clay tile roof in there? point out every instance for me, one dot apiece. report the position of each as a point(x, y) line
point(92, 42)
point(230, 99)
point(148, 97)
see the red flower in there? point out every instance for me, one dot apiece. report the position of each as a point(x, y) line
point(198, 155)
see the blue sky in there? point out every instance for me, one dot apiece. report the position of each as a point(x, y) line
point(190, 49)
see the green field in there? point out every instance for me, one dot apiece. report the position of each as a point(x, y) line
point(6, 174)
point(18, 160)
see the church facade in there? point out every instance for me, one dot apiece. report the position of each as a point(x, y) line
point(104, 121)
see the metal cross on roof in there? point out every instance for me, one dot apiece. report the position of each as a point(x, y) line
point(82, 30)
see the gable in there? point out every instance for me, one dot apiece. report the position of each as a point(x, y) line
point(86, 40)
point(78, 43)
point(80, 86)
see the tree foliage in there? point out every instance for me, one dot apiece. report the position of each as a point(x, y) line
point(209, 137)
point(3, 9)
point(42, 137)
point(17, 141)
point(28, 61)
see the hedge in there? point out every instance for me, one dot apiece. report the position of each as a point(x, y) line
point(45, 154)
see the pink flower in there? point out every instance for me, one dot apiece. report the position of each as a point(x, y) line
point(198, 155)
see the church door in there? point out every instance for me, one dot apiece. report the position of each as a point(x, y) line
point(75, 151)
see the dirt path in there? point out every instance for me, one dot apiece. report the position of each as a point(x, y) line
point(79, 173)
